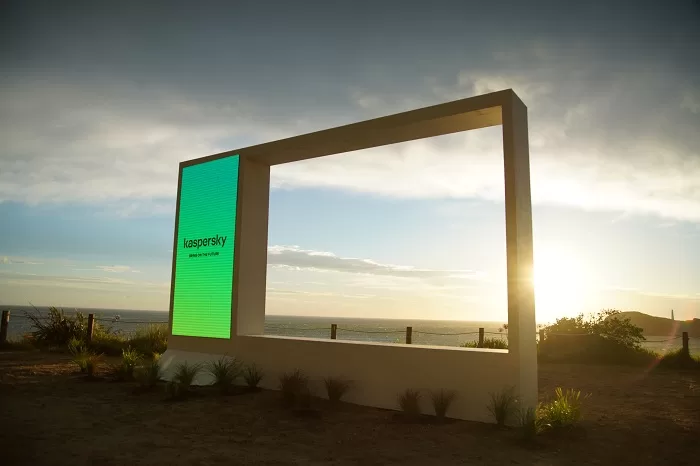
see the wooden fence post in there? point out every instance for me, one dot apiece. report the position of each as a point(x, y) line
point(409, 335)
point(4, 323)
point(686, 347)
point(334, 331)
point(91, 326)
point(481, 337)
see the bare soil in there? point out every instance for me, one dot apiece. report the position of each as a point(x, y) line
point(49, 415)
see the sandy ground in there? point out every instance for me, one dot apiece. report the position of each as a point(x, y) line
point(51, 416)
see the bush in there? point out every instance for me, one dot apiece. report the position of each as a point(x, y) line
point(252, 376)
point(293, 385)
point(149, 374)
point(563, 411)
point(502, 406)
point(441, 402)
point(336, 388)
point(492, 343)
point(106, 342)
point(409, 402)
point(678, 360)
point(150, 339)
point(607, 324)
point(57, 328)
point(225, 372)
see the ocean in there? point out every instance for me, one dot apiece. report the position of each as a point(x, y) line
point(425, 332)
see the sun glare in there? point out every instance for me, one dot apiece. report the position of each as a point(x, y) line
point(560, 283)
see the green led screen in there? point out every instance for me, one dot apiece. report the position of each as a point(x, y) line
point(206, 230)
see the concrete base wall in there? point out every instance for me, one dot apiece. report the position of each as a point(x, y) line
point(379, 371)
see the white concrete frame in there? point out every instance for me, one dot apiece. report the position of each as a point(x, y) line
point(381, 371)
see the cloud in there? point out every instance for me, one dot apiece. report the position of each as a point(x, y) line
point(13, 260)
point(115, 268)
point(295, 258)
point(600, 140)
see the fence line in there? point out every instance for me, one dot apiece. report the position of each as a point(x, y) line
point(4, 324)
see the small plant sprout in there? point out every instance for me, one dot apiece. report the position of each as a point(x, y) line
point(502, 406)
point(409, 402)
point(293, 385)
point(225, 372)
point(336, 388)
point(442, 400)
point(252, 376)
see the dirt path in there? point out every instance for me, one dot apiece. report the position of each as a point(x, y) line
point(51, 417)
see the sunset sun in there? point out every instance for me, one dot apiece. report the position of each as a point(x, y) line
point(560, 280)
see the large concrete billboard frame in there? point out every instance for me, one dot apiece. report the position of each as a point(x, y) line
point(379, 370)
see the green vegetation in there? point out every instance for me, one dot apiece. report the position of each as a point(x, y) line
point(92, 363)
point(409, 402)
point(56, 329)
point(293, 385)
point(492, 343)
point(225, 372)
point(563, 411)
point(529, 424)
point(442, 400)
point(125, 369)
point(502, 406)
point(252, 375)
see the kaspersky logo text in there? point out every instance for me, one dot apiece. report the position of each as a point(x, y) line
point(199, 242)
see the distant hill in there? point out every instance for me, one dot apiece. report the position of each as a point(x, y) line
point(652, 325)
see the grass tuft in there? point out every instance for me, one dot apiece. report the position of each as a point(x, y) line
point(181, 383)
point(409, 402)
point(150, 373)
point(502, 406)
point(336, 388)
point(563, 411)
point(441, 402)
point(252, 375)
point(225, 372)
point(292, 386)
point(150, 339)
point(529, 424)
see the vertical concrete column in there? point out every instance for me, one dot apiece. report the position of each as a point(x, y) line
point(521, 297)
point(250, 263)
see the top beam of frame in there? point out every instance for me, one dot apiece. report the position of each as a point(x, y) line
point(460, 115)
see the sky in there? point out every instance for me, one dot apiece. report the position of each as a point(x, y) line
point(99, 102)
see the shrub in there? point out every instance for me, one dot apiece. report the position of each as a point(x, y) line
point(106, 342)
point(336, 388)
point(225, 372)
point(150, 373)
point(293, 385)
point(56, 328)
point(150, 339)
point(492, 343)
point(441, 402)
point(678, 360)
point(252, 376)
point(502, 406)
point(409, 402)
point(563, 411)
point(607, 324)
